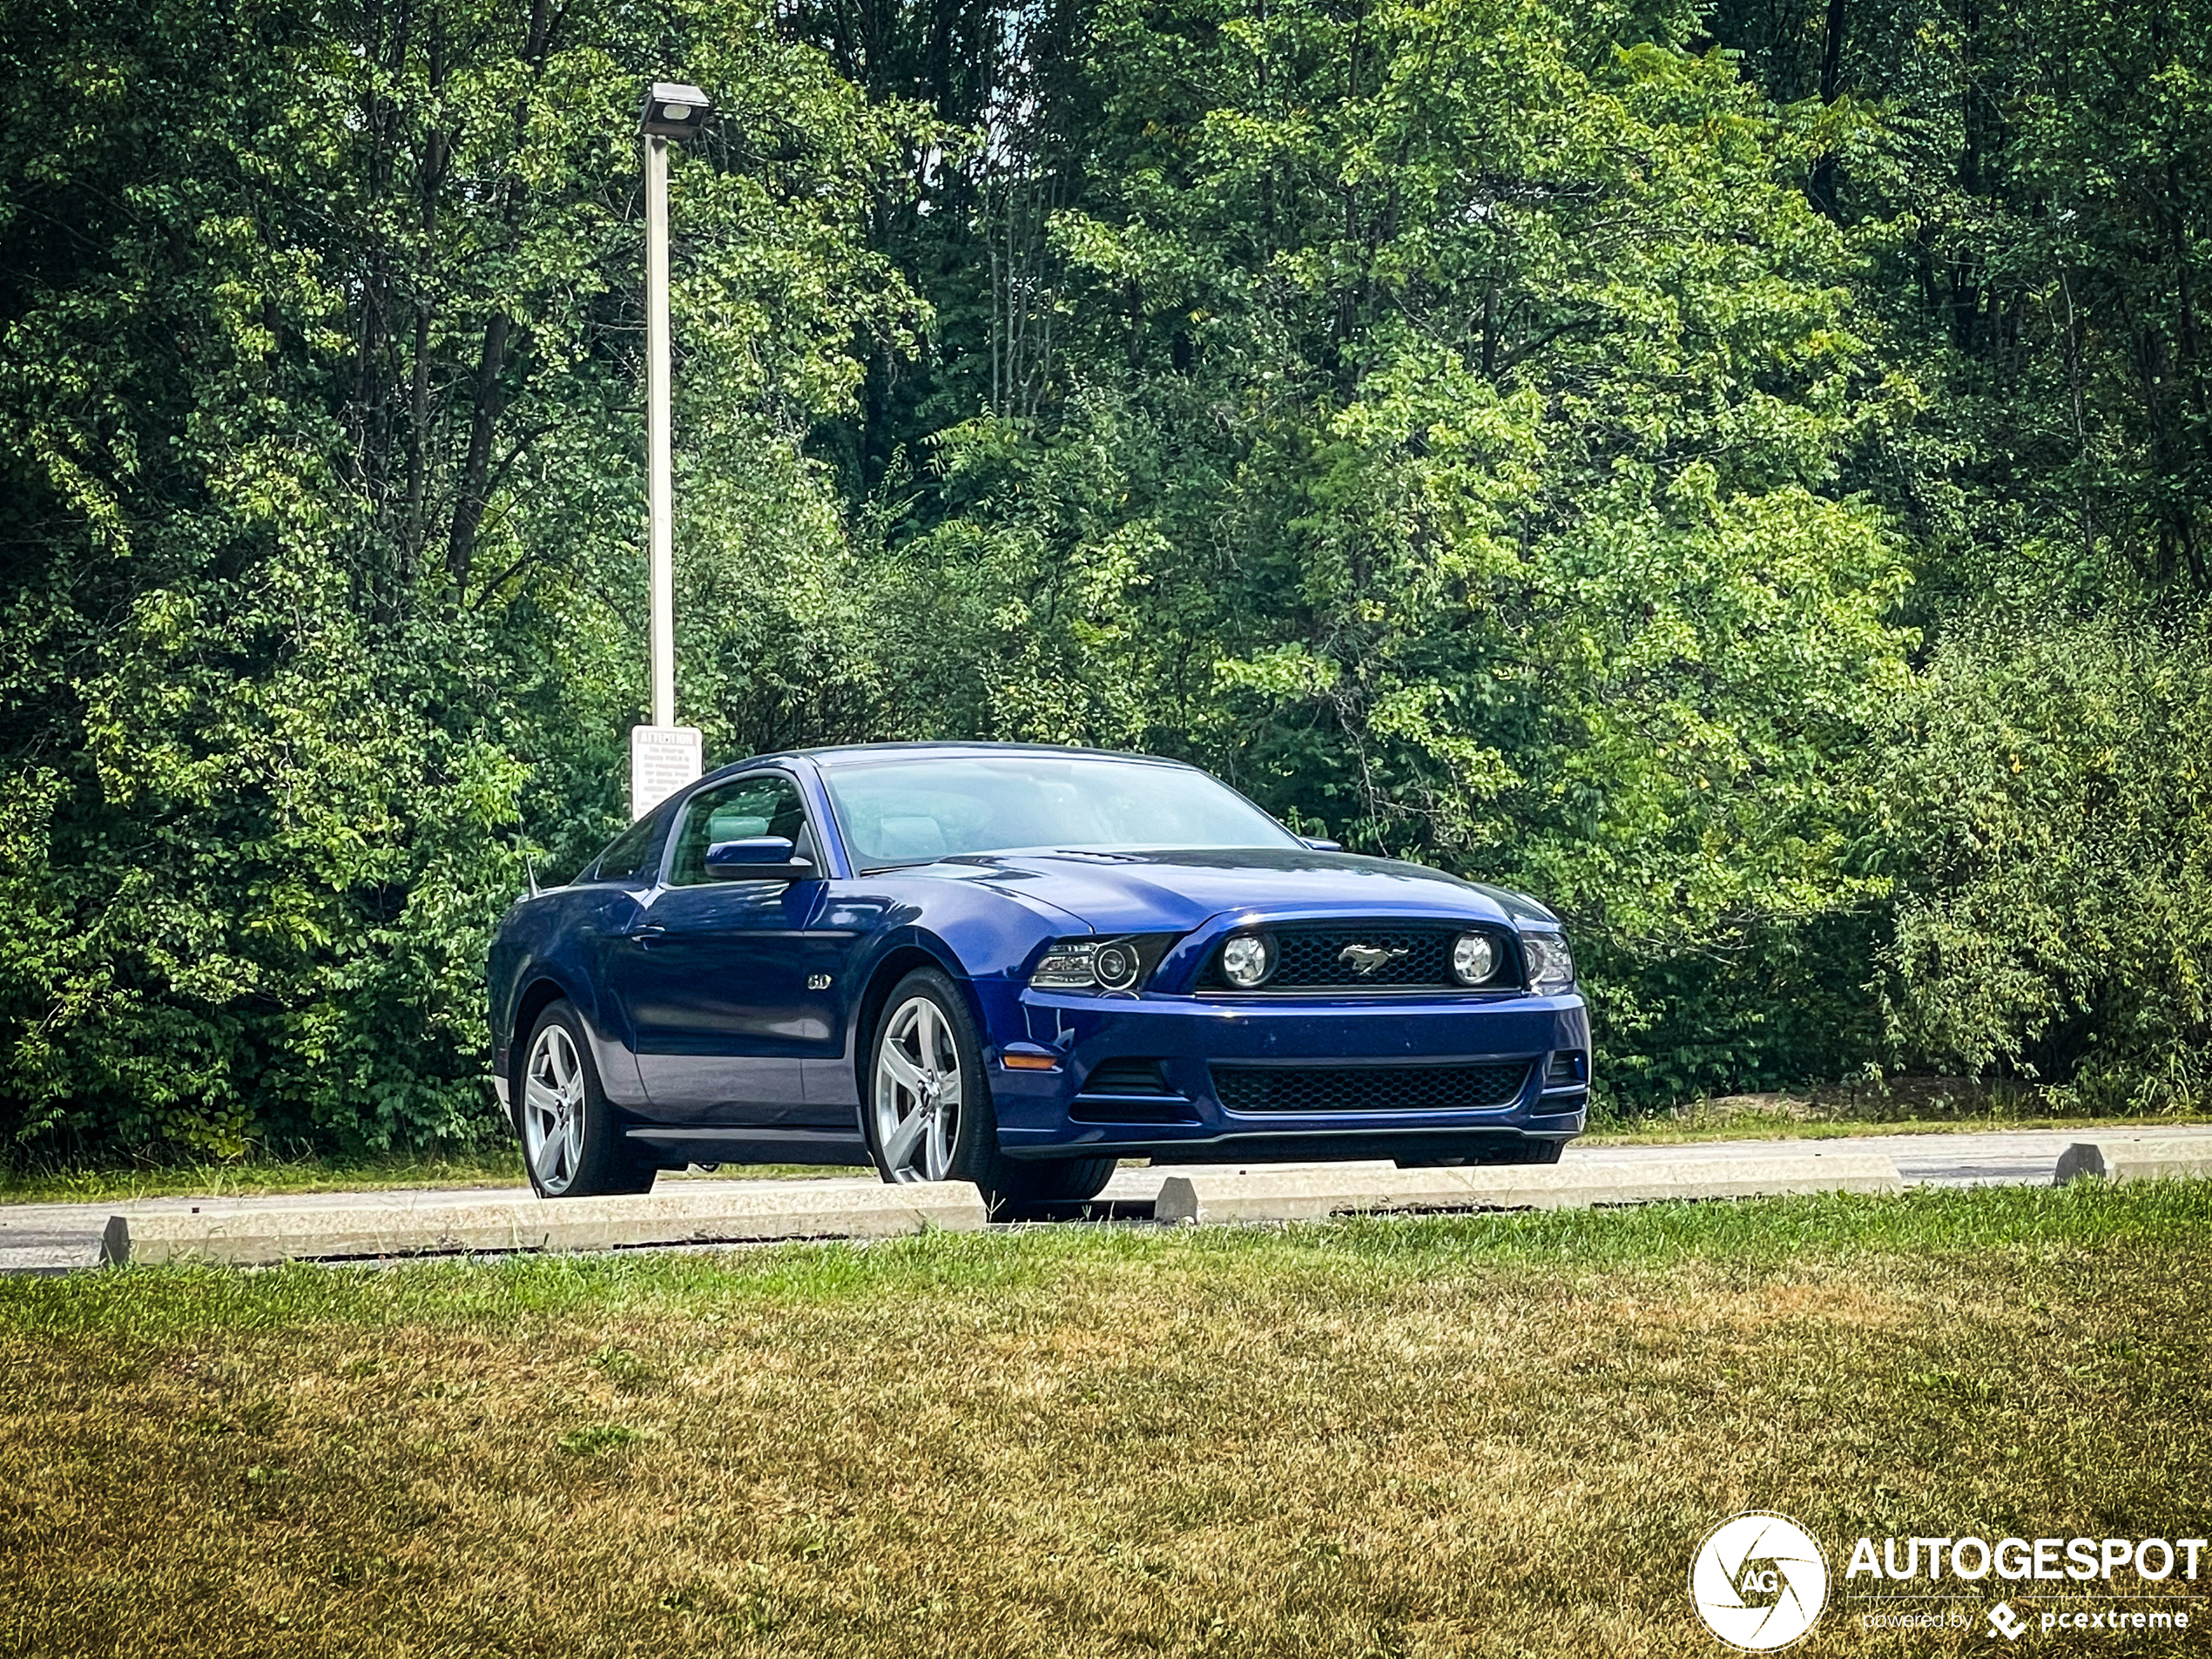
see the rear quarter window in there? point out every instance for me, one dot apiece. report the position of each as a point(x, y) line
point(634, 855)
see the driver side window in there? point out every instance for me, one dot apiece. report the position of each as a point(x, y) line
point(762, 804)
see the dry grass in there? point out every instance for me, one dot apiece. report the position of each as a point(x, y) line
point(1481, 1436)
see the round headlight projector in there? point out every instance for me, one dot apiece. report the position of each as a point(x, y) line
point(1116, 965)
point(1474, 958)
point(1247, 959)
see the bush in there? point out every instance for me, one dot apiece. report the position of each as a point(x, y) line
point(2050, 784)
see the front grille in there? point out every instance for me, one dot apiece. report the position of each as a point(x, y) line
point(1311, 956)
point(1370, 1089)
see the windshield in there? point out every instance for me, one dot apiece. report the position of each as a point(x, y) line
point(910, 811)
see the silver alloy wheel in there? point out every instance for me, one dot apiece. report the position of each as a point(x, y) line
point(553, 1109)
point(917, 1092)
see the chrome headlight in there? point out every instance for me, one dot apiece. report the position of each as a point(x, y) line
point(1094, 964)
point(1551, 965)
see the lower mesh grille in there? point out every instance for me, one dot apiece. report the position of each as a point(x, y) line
point(1369, 1088)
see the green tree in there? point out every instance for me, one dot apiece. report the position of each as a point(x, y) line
point(1448, 440)
point(317, 359)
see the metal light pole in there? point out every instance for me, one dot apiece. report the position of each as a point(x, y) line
point(663, 757)
point(660, 489)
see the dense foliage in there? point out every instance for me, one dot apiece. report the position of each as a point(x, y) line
point(1740, 474)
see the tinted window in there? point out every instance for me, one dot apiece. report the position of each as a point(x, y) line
point(904, 811)
point(635, 855)
point(763, 804)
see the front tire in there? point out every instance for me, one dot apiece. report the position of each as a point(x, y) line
point(929, 1114)
point(571, 1144)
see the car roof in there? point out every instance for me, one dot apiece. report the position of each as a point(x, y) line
point(845, 754)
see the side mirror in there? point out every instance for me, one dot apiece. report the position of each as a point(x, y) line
point(759, 857)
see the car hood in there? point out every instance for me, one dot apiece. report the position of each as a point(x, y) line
point(1173, 891)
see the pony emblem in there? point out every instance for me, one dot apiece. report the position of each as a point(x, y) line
point(1366, 959)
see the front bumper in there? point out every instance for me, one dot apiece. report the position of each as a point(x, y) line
point(1058, 1112)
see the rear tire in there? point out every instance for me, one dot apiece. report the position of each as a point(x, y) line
point(929, 1115)
point(572, 1146)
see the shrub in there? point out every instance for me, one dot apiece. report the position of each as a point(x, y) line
point(2050, 784)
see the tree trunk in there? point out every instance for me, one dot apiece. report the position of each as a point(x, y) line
point(476, 473)
point(1831, 74)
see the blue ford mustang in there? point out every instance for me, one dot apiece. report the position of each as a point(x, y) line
point(1015, 965)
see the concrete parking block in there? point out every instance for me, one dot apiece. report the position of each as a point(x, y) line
point(734, 1213)
point(1313, 1193)
point(2136, 1158)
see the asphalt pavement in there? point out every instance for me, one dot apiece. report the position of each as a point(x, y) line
point(60, 1237)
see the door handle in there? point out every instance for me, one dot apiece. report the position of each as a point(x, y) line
point(650, 932)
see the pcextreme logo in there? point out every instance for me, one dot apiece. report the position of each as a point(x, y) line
point(1759, 1581)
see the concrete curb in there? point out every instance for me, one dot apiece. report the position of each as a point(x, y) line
point(2134, 1158)
point(1297, 1195)
point(253, 1238)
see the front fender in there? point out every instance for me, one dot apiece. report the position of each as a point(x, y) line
point(556, 943)
point(982, 939)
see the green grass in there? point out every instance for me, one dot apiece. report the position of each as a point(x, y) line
point(1773, 1126)
point(1888, 1106)
point(500, 1165)
point(1474, 1435)
point(497, 1166)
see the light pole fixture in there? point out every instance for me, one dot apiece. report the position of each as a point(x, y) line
point(674, 111)
point(663, 757)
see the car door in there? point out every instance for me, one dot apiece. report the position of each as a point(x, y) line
point(716, 974)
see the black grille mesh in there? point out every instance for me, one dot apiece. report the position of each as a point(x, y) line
point(1369, 1088)
point(1420, 956)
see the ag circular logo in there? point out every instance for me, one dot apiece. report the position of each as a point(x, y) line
point(1759, 1581)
